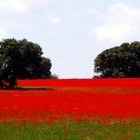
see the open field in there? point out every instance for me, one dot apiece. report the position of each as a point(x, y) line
point(71, 109)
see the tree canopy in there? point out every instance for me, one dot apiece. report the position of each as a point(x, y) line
point(24, 58)
point(120, 61)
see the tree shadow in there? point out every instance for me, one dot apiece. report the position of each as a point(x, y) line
point(34, 88)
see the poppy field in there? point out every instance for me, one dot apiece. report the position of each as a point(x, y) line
point(71, 109)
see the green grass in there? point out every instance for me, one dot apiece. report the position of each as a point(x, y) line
point(69, 130)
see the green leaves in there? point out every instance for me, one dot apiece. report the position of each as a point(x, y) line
point(122, 61)
point(25, 58)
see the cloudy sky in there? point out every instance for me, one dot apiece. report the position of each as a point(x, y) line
point(71, 32)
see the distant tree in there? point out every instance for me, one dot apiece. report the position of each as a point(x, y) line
point(120, 61)
point(24, 59)
point(54, 76)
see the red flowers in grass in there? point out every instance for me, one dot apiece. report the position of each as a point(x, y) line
point(82, 82)
point(72, 99)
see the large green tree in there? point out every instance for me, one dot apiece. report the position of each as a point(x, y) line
point(120, 61)
point(24, 58)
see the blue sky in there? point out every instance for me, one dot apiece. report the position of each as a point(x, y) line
point(71, 32)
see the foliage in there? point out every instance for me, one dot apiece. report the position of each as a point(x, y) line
point(24, 58)
point(120, 61)
point(54, 76)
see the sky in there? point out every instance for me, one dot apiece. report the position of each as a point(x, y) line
point(71, 32)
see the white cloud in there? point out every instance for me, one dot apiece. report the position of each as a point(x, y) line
point(12, 5)
point(121, 24)
point(34, 4)
point(22, 6)
point(56, 20)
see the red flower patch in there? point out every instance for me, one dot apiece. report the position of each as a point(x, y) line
point(94, 100)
